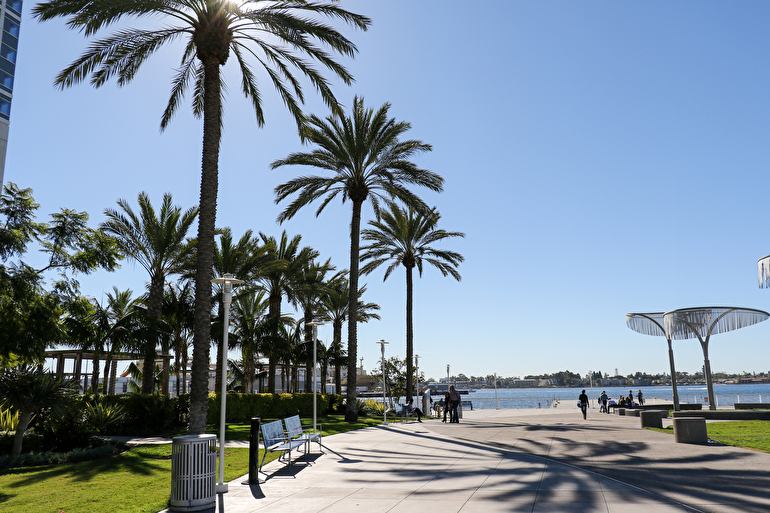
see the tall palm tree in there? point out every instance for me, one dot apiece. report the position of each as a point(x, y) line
point(241, 259)
point(310, 288)
point(404, 238)
point(250, 330)
point(87, 327)
point(366, 160)
point(157, 241)
point(335, 310)
point(119, 307)
point(283, 37)
point(179, 313)
point(285, 262)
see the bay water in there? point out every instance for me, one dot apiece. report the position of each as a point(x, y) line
point(508, 398)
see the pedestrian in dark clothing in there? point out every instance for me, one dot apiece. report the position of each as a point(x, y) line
point(454, 396)
point(583, 398)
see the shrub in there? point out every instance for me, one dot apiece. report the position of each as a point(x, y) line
point(147, 414)
point(241, 407)
point(53, 458)
point(8, 420)
point(100, 415)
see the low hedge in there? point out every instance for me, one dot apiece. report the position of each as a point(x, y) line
point(241, 407)
point(54, 458)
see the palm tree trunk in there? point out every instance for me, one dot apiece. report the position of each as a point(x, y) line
point(337, 365)
point(107, 365)
point(351, 412)
point(274, 311)
point(309, 352)
point(409, 337)
point(218, 347)
point(154, 307)
point(177, 346)
point(185, 387)
point(95, 373)
point(205, 250)
point(113, 377)
point(24, 419)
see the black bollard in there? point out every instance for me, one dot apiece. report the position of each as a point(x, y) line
point(254, 451)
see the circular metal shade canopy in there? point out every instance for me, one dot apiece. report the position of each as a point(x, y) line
point(703, 322)
point(653, 324)
point(763, 271)
point(647, 323)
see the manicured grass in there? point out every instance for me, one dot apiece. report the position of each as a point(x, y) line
point(750, 434)
point(137, 481)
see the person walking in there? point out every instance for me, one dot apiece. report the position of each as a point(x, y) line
point(583, 403)
point(603, 399)
point(454, 397)
point(640, 398)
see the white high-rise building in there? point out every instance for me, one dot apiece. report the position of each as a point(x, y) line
point(10, 19)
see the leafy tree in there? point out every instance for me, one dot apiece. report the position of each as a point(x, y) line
point(405, 238)
point(396, 377)
point(157, 241)
point(30, 313)
point(366, 160)
point(276, 34)
point(27, 390)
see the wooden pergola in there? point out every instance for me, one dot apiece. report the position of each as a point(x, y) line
point(78, 356)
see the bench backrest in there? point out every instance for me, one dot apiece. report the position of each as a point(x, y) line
point(293, 426)
point(272, 433)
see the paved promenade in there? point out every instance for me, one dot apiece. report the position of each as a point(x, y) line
point(512, 460)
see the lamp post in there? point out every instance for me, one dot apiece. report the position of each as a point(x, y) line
point(384, 406)
point(497, 406)
point(227, 281)
point(315, 325)
point(417, 371)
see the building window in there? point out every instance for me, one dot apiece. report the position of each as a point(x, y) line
point(6, 80)
point(8, 52)
point(15, 6)
point(5, 107)
point(12, 27)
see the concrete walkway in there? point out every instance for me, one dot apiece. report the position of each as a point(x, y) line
point(511, 460)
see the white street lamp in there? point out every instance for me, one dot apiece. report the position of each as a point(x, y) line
point(315, 325)
point(417, 371)
point(384, 405)
point(497, 406)
point(227, 281)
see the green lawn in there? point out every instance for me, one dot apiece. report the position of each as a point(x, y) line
point(136, 481)
point(750, 434)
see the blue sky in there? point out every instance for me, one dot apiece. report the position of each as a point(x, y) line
point(601, 158)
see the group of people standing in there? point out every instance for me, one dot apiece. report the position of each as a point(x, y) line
point(603, 399)
point(451, 403)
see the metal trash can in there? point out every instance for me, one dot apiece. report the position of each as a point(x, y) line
point(193, 473)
